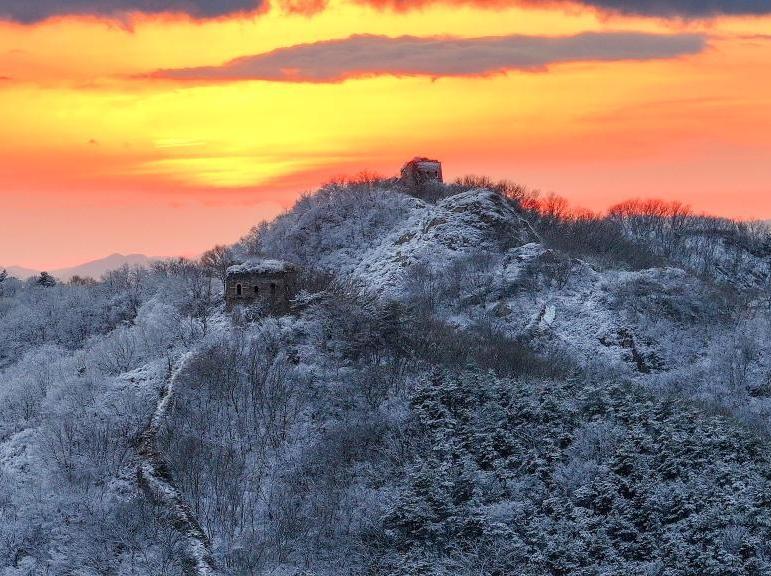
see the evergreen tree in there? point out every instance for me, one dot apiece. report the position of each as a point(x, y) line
point(45, 280)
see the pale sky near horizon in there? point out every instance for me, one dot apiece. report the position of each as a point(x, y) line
point(158, 133)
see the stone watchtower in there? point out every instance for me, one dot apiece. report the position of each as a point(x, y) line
point(419, 171)
point(270, 282)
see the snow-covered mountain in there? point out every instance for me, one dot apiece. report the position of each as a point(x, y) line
point(96, 268)
point(464, 386)
point(93, 269)
point(478, 259)
point(20, 271)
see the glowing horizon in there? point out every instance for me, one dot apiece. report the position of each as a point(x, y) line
point(140, 134)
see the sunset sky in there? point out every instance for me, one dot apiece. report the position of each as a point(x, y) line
point(128, 128)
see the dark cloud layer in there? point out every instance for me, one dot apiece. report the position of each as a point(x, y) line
point(688, 8)
point(660, 8)
point(29, 11)
point(358, 56)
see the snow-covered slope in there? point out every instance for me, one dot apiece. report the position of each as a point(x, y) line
point(643, 322)
point(479, 260)
point(457, 227)
point(360, 434)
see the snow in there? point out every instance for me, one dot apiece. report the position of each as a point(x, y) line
point(459, 226)
point(596, 315)
point(15, 451)
point(512, 279)
point(550, 313)
point(161, 489)
point(261, 266)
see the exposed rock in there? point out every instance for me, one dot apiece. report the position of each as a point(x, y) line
point(501, 310)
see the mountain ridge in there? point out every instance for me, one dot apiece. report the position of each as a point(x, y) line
point(89, 269)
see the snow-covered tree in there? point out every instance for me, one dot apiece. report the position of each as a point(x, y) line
point(45, 280)
point(480, 384)
point(217, 260)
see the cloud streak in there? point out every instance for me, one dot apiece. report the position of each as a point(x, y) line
point(656, 8)
point(366, 56)
point(31, 11)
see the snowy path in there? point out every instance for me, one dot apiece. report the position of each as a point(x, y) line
point(155, 478)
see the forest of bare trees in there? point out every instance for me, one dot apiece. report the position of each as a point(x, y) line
point(467, 383)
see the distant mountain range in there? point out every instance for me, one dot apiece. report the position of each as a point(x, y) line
point(19, 271)
point(93, 269)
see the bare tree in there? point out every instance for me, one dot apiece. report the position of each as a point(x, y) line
point(82, 281)
point(217, 261)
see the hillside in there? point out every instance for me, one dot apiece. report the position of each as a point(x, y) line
point(473, 258)
point(466, 384)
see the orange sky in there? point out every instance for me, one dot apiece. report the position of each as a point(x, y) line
point(98, 154)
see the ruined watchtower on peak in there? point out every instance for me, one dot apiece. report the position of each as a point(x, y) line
point(420, 170)
point(267, 281)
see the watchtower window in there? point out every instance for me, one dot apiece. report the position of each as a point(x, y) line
point(256, 289)
point(239, 290)
point(272, 289)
